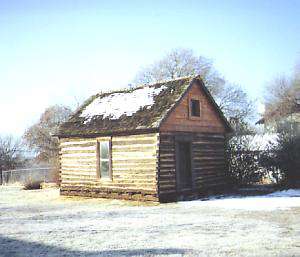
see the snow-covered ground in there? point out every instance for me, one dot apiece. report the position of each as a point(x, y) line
point(41, 223)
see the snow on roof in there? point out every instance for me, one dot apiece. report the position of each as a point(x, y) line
point(115, 105)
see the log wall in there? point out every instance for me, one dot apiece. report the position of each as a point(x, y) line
point(208, 164)
point(134, 167)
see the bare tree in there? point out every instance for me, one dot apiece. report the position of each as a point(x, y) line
point(10, 152)
point(183, 62)
point(11, 155)
point(39, 136)
point(234, 102)
point(282, 96)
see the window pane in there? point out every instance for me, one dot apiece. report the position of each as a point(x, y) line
point(104, 167)
point(104, 150)
point(195, 108)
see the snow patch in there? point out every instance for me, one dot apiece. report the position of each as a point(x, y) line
point(260, 142)
point(280, 200)
point(115, 105)
point(286, 193)
point(263, 142)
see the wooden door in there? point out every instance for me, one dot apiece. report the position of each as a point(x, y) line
point(183, 165)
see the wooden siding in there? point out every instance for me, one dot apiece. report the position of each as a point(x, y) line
point(167, 165)
point(208, 158)
point(134, 165)
point(179, 119)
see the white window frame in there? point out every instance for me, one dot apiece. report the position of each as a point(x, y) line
point(100, 160)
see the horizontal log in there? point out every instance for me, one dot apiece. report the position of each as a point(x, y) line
point(107, 189)
point(66, 178)
point(135, 168)
point(134, 162)
point(133, 142)
point(76, 182)
point(133, 137)
point(67, 141)
point(164, 156)
point(167, 187)
point(134, 172)
point(207, 143)
point(209, 166)
point(79, 155)
point(205, 184)
point(78, 148)
point(109, 184)
point(209, 179)
point(209, 173)
point(134, 176)
point(134, 146)
point(171, 182)
point(167, 172)
point(204, 151)
point(83, 172)
point(136, 158)
point(76, 160)
point(135, 182)
point(77, 166)
point(73, 170)
point(133, 155)
point(79, 144)
point(171, 174)
point(125, 151)
point(167, 161)
point(167, 149)
point(211, 156)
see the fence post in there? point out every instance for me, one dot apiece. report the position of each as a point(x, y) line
point(1, 174)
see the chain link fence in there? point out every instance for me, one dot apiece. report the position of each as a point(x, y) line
point(21, 176)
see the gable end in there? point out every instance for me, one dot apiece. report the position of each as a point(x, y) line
point(210, 116)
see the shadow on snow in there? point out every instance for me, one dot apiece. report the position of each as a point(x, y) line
point(20, 248)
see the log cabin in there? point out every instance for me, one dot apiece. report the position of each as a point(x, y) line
point(160, 142)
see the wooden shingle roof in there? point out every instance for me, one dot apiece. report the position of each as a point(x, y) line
point(139, 109)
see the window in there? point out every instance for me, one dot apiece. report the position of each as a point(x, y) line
point(104, 164)
point(195, 108)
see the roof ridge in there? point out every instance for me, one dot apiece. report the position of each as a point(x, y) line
point(140, 86)
point(169, 80)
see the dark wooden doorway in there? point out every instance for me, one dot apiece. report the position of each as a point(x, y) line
point(183, 165)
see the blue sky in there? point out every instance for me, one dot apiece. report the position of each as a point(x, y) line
point(61, 52)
